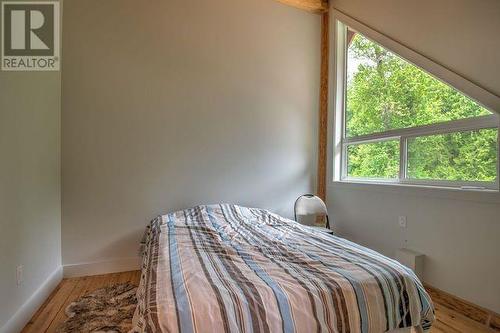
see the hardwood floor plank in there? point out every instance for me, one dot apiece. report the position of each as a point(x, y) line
point(113, 279)
point(136, 278)
point(124, 277)
point(495, 322)
point(469, 310)
point(133, 277)
point(439, 326)
point(49, 312)
point(44, 305)
point(80, 290)
point(457, 321)
point(98, 281)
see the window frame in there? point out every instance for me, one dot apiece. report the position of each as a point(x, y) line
point(341, 142)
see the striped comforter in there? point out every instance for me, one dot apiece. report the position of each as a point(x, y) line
point(226, 268)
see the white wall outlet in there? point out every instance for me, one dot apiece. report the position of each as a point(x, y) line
point(402, 222)
point(19, 274)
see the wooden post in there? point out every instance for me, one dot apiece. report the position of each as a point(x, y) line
point(315, 6)
point(323, 107)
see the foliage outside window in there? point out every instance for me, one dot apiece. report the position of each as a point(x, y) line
point(401, 124)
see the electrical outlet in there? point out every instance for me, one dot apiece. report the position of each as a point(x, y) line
point(402, 221)
point(19, 275)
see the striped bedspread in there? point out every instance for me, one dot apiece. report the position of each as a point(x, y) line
point(226, 268)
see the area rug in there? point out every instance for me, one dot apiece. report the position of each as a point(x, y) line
point(108, 310)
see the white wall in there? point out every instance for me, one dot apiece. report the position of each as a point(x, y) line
point(457, 231)
point(170, 104)
point(30, 202)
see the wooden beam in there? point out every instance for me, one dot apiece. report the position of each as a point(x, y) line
point(315, 6)
point(323, 107)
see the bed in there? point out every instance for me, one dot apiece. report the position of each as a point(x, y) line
point(227, 268)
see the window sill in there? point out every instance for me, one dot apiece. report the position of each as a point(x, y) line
point(454, 193)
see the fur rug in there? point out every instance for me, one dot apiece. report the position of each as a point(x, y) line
point(106, 310)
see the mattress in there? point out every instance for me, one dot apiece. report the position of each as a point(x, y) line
point(227, 268)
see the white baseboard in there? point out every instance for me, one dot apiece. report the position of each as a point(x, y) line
point(102, 267)
point(28, 309)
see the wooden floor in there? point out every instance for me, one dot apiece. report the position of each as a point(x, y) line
point(51, 314)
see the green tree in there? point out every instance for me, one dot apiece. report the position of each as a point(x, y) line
point(385, 92)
